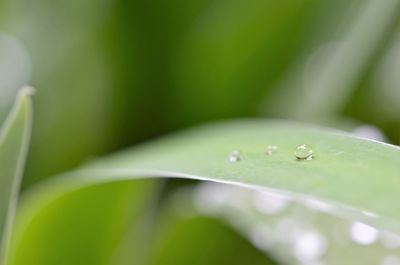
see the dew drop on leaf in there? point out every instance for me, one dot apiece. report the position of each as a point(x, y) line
point(235, 156)
point(304, 152)
point(271, 149)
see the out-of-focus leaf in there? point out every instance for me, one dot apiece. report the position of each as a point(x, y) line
point(325, 77)
point(212, 51)
point(73, 81)
point(178, 243)
point(293, 231)
point(235, 51)
point(101, 224)
point(14, 141)
point(179, 231)
point(15, 70)
point(351, 174)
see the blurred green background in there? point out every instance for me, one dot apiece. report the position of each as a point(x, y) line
point(113, 73)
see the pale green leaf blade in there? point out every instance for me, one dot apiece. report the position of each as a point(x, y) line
point(14, 141)
point(346, 170)
point(354, 175)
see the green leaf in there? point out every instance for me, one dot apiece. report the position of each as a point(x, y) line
point(180, 230)
point(178, 244)
point(336, 64)
point(351, 174)
point(14, 141)
point(345, 169)
point(91, 225)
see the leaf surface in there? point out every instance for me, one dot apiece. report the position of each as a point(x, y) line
point(353, 175)
point(14, 141)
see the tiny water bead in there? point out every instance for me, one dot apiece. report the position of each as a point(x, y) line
point(304, 152)
point(271, 149)
point(235, 156)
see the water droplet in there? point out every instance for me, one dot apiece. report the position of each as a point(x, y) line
point(363, 234)
point(235, 156)
point(304, 152)
point(271, 149)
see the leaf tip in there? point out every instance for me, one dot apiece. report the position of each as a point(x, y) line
point(26, 91)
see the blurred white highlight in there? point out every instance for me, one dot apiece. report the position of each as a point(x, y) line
point(318, 205)
point(369, 132)
point(210, 197)
point(370, 214)
point(270, 203)
point(15, 68)
point(363, 234)
point(310, 247)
